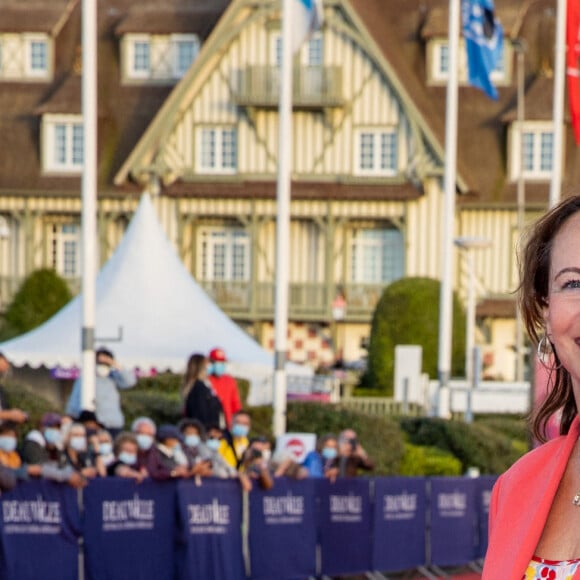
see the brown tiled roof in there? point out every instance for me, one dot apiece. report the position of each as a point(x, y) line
point(27, 16)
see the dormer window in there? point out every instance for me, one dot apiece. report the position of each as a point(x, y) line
point(534, 152)
point(62, 144)
point(25, 56)
point(164, 58)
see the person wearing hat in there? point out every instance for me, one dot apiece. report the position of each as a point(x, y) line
point(44, 447)
point(224, 385)
point(167, 460)
point(111, 378)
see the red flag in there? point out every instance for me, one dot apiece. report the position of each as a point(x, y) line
point(572, 68)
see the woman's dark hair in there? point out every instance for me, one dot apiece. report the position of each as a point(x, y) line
point(124, 437)
point(196, 424)
point(535, 262)
point(324, 439)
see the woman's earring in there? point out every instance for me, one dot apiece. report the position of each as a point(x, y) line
point(546, 354)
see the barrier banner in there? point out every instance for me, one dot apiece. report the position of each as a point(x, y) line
point(283, 531)
point(345, 526)
point(39, 532)
point(484, 486)
point(399, 523)
point(210, 536)
point(129, 529)
point(453, 521)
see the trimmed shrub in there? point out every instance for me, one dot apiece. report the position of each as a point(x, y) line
point(474, 445)
point(42, 294)
point(408, 313)
point(423, 461)
point(380, 436)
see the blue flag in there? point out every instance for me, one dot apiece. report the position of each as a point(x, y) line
point(483, 41)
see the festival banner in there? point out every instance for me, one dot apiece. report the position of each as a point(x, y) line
point(399, 523)
point(39, 531)
point(282, 528)
point(210, 536)
point(453, 521)
point(344, 520)
point(484, 485)
point(129, 529)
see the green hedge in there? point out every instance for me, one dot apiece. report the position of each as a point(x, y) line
point(429, 461)
point(474, 445)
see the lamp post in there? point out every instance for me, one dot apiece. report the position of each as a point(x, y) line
point(468, 244)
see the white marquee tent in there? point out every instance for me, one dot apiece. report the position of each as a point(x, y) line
point(145, 294)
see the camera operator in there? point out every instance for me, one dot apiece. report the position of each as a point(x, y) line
point(351, 456)
point(255, 463)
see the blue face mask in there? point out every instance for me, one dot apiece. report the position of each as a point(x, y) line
point(7, 443)
point(219, 368)
point(240, 430)
point(78, 443)
point(105, 448)
point(53, 436)
point(209, 369)
point(213, 444)
point(329, 452)
point(127, 458)
point(144, 441)
point(192, 440)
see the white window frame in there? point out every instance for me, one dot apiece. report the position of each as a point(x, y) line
point(438, 75)
point(218, 166)
point(29, 41)
point(537, 129)
point(276, 49)
point(50, 163)
point(64, 237)
point(232, 239)
point(305, 52)
point(376, 135)
point(176, 40)
point(363, 239)
point(130, 42)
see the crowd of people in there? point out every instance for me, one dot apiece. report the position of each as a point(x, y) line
point(213, 439)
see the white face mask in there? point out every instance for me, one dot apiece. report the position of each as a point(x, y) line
point(103, 371)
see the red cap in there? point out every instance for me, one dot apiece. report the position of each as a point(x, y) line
point(217, 354)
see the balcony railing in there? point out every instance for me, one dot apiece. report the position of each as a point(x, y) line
point(307, 301)
point(313, 87)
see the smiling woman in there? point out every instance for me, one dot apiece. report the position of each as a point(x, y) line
point(534, 513)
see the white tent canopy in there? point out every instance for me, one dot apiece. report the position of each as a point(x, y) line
point(145, 294)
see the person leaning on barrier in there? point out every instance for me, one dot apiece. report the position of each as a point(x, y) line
point(255, 464)
point(318, 462)
point(78, 454)
point(125, 463)
point(44, 447)
point(351, 457)
point(167, 459)
point(9, 456)
point(144, 430)
point(198, 456)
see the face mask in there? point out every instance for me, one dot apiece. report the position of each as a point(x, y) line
point(103, 371)
point(78, 443)
point(192, 440)
point(7, 443)
point(329, 453)
point(266, 455)
point(209, 369)
point(127, 458)
point(179, 456)
point(53, 436)
point(240, 430)
point(105, 448)
point(144, 441)
point(219, 368)
point(213, 444)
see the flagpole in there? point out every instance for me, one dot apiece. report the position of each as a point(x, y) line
point(283, 223)
point(558, 105)
point(448, 222)
point(89, 200)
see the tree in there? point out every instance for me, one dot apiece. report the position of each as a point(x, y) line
point(408, 313)
point(42, 294)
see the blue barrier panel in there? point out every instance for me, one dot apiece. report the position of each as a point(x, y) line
point(344, 520)
point(399, 523)
point(39, 532)
point(210, 523)
point(484, 486)
point(453, 520)
point(129, 529)
point(283, 531)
